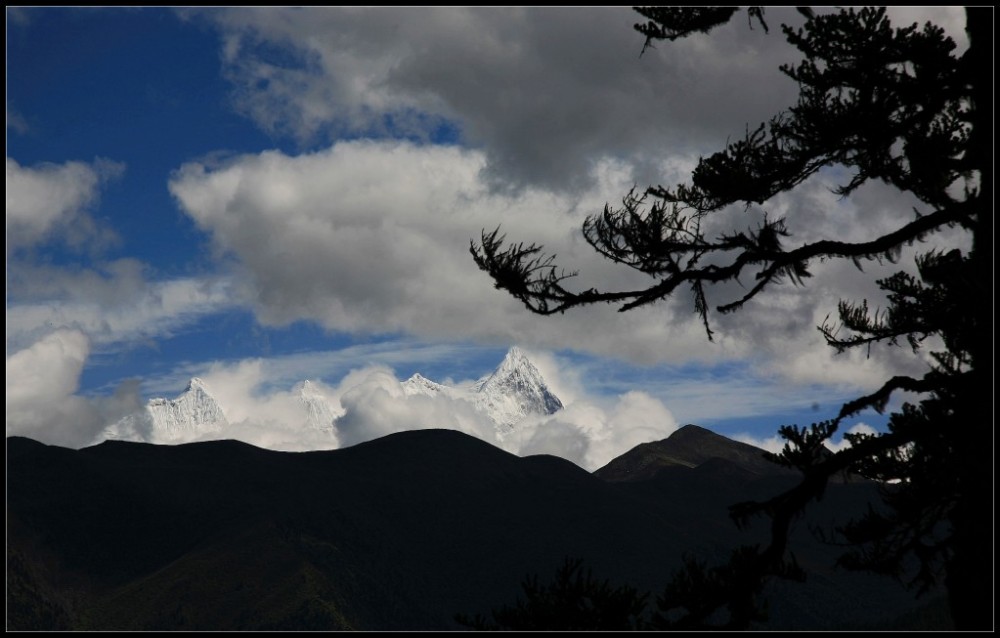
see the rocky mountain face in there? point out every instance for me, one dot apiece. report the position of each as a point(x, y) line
point(511, 393)
point(515, 390)
point(320, 415)
point(193, 414)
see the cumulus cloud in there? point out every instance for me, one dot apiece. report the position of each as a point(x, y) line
point(49, 202)
point(264, 415)
point(592, 435)
point(42, 403)
point(378, 406)
point(545, 90)
point(550, 97)
point(49, 368)
point(372, 237)
point(583, 431)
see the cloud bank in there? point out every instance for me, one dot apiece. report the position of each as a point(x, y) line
point(372, 238)
point(370, 402)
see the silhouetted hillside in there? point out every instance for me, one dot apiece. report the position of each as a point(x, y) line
point(690, 446)
point(398, 533)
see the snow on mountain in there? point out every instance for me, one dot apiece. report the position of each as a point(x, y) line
point(507, 396)
point(320, 415)
point(515, 390)
point(421, 385)
point(511, 393)
point(192, 415)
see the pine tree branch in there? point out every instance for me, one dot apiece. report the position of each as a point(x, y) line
point(880, 397)
point(533, 278)
point(884, 245)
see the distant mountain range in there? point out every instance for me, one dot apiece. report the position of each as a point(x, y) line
point(399, 533)
point(511, 393)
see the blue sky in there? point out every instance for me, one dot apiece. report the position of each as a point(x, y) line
point(190, 192)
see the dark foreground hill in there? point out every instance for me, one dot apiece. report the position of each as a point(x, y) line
point(398, 533)
point(688, 447)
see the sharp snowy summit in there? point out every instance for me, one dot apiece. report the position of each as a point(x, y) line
point(320, 415)
point(513, 392)
point(194, 414)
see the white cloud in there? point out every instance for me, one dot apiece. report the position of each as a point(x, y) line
point(367, 403)
point(545, 90)
point(842, 443)
point(605, 433)
point(42, 381)
point(377, 406)
point(372, 237)
point(113, 307)
point(49, 201)
point(47, 369)
point(583, 431)
point(558, 438)
point(265, 416)
point(771, 443)
point(638, 418)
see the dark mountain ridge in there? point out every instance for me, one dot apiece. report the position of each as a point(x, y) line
point(398, 533)
point(690, 446)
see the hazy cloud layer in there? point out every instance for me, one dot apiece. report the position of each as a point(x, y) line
point(112, 306)
point(370, 402)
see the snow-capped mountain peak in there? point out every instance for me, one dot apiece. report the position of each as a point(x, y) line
point(515, 390)
point(307, 389)
point(419, 384)
point(514, 364)
point(193, 414)
point(320, 415)
point(512, 392)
